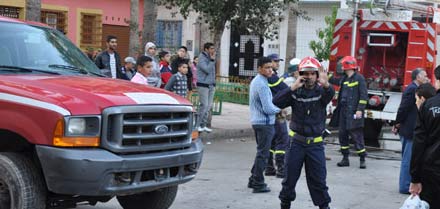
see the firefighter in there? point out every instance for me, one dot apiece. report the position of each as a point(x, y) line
point(279, 141)
point(348, 114)
point(308, 97)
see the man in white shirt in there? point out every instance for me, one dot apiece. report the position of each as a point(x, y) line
point(109, 60)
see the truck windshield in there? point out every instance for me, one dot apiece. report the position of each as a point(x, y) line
point(40, 50)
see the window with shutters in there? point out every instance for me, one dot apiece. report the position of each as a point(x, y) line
point(12, 12)
point(55, 19)
point(169, 34)
point(91, 30)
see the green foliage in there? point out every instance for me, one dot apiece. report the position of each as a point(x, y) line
point(321, 48)
point(259, 17)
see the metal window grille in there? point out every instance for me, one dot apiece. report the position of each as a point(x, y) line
point(12, 12)
point(55, 19)
point(91, 30)
point(169, 34)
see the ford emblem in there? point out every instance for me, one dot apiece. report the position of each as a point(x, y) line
point(161, 129)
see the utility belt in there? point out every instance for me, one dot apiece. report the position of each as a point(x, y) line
point(305, 139)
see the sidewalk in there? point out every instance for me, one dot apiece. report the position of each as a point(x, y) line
point(234, 122)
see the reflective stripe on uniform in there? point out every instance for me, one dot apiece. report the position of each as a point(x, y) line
point(345, 147)
point(276, 83)
point(360, 151)
point(280, 152)
point(353, 84)
point(362, 101)
point(273, 151)
point(306, 99)
point(315, 140)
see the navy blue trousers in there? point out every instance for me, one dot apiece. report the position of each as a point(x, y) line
point(313, 157)
point(279, 145)
point(357, 135)
point(263, 136)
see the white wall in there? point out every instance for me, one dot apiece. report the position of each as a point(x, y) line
point(224, 49)
point(307, 29)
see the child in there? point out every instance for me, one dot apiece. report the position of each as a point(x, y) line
point(424, 92)
point(144, 69)
point(178, 82)
point(164, 66)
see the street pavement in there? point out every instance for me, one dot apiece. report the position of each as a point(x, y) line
point(229, 153)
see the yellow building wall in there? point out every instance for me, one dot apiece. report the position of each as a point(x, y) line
point(16, 3)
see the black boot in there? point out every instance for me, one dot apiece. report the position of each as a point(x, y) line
point(344, 162)
point(362, 164)
point(280, 166)
point(285, 205)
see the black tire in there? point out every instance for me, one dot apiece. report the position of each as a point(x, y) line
point(159, 199)
point(21, 185)
point(372, 130)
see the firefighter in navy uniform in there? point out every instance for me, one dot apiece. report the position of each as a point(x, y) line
point(308, 97)
point(279, 141)
point(348, 114)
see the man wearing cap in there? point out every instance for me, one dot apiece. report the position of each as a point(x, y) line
point(154, 79)
point(279, 141)
point(292, 72)
point(128, 70)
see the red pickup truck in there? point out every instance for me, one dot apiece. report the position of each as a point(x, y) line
point(68, 135)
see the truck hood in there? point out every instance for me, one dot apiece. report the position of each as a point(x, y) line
point(82, 95)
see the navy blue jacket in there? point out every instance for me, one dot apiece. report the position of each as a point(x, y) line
point(355, 93)
point(407, 112)
point(276, 83)
point(308, 108)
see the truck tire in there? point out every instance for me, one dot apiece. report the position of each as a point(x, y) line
point(159, 199)
point(372, 130)
point(21, 185)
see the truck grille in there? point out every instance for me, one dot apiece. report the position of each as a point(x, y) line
point(136, 129)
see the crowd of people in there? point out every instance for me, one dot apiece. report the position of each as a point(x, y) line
point(307, 89)
point(160, 69)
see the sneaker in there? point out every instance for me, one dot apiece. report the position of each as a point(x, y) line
point(207, 129)
point(200, 129)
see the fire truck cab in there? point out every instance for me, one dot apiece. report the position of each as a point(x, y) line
point(389, 43)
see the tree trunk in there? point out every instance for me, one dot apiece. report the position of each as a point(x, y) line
point(33, 10)
point(150, 22)
point(134, 48)
point(291, 36)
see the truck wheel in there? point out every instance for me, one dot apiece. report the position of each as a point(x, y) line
point(21, 185)
point(159, 199)
point(372, 130)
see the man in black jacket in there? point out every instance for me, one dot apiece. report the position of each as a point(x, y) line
point(425, 159)
point(109, 60)
point(405, 124)
point(349, 114)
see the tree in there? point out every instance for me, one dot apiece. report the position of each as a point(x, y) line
point(321, 48)
point(257, 17)
point(150, 21)
point(33, 10)
point(134, 25)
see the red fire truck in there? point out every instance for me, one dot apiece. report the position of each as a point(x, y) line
point(388, 42)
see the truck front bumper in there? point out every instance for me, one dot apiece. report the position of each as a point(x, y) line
point(98, 172)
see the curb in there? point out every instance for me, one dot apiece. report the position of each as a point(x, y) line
point(227, 134)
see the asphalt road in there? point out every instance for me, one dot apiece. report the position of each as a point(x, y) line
point(221, 182)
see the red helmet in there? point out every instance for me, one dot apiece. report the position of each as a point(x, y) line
point(309, 64)
point(349, 63)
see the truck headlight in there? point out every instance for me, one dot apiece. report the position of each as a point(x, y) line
point(82, 126)
point(77, 132)
point(194, 131)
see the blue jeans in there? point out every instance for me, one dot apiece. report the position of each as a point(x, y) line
point(263, 136)
point(405, 176)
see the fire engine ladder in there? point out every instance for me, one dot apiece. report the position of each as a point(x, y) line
point(405, 4)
